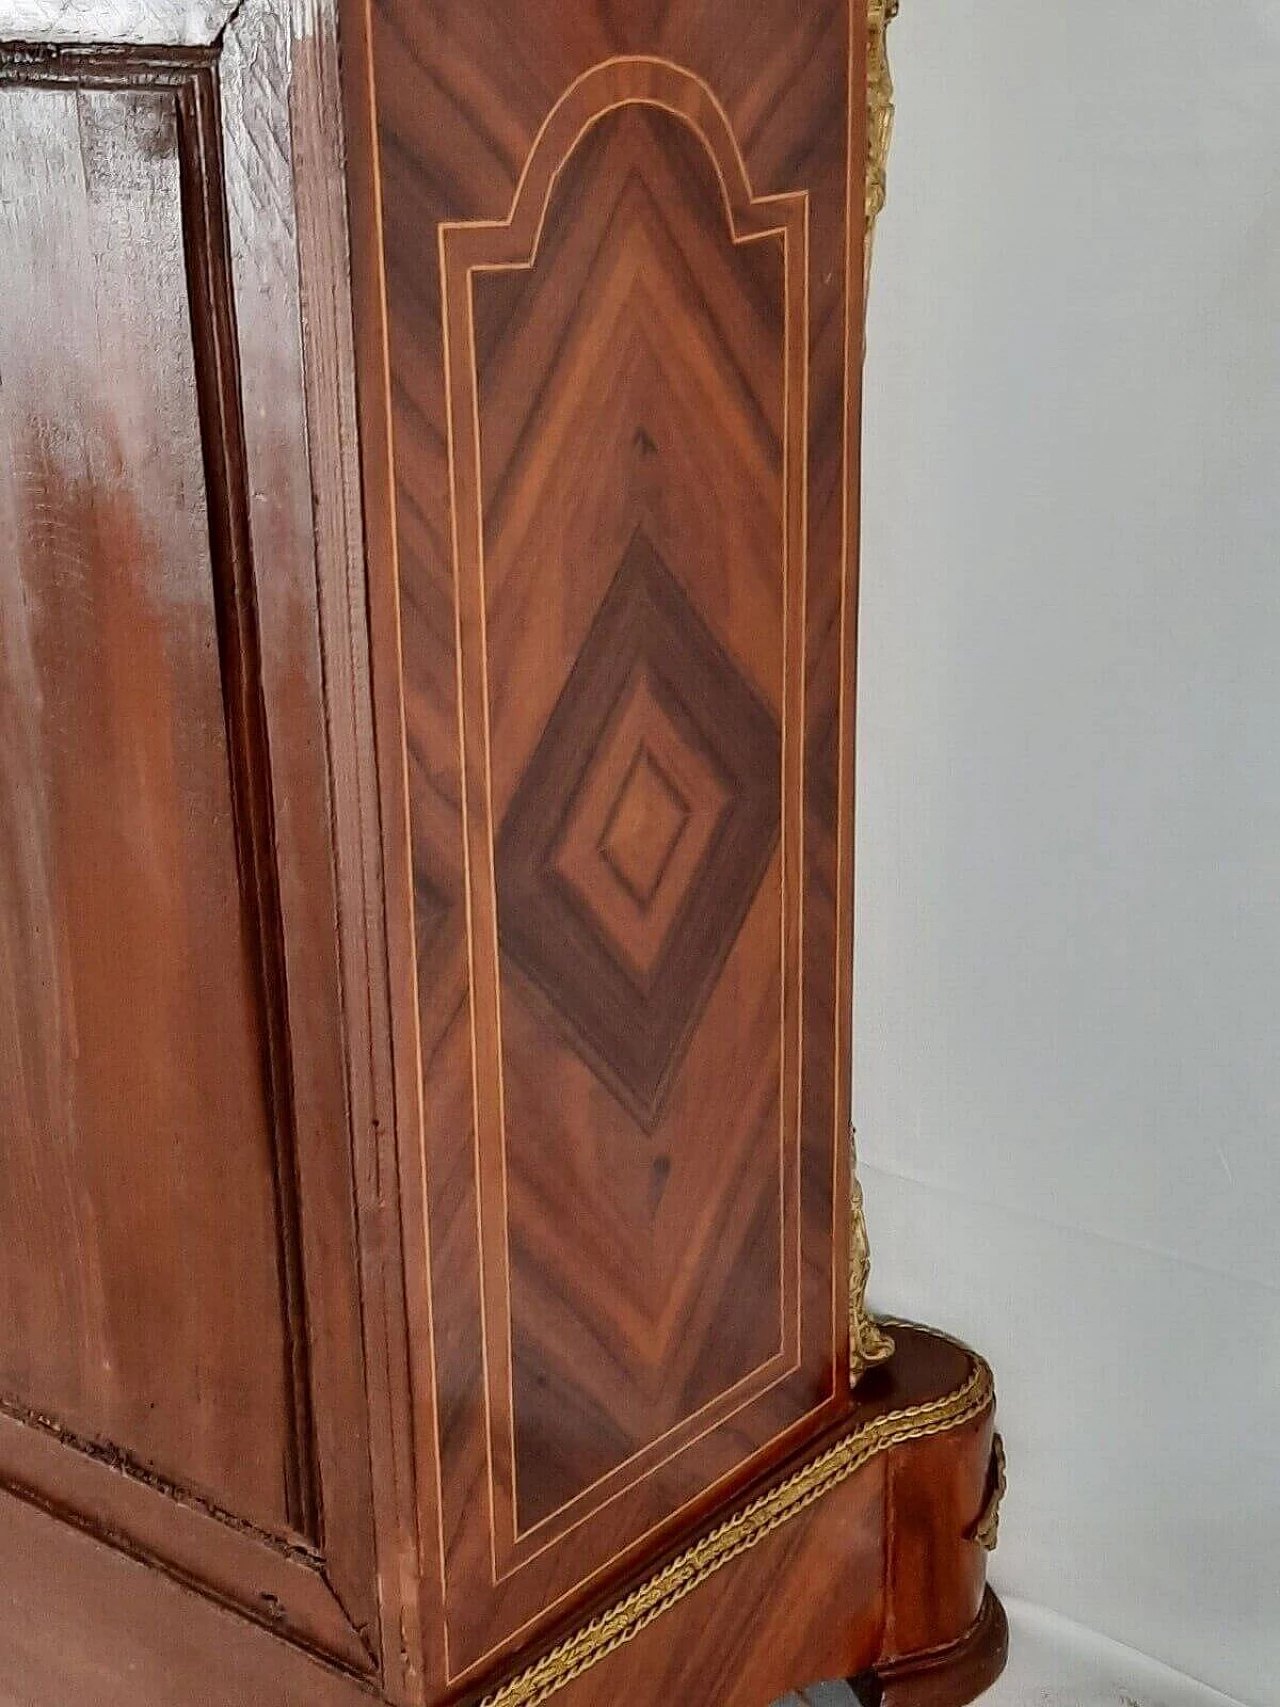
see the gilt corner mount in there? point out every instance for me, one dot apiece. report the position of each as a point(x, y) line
point(868, 1345)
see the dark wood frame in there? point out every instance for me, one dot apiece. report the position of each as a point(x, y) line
point(274, 387)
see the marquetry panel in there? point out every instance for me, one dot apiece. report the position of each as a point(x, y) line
point(620, 392)
point(639, 833)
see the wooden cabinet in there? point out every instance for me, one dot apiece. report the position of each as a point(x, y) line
point(428, 503)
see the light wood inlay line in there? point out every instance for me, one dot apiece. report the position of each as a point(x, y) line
point(468, 249)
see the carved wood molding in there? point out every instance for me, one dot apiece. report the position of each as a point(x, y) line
point(106, 1489)
point(251, 112)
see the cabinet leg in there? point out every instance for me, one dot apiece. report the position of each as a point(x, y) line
point(942, 1677)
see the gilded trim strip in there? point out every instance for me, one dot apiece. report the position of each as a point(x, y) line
point(880, 14)
point(739, 1533)
point(868, 1345)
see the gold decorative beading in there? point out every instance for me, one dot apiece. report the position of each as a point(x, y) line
point(739, 1533)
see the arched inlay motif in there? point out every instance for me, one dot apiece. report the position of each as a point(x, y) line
point(628, 349)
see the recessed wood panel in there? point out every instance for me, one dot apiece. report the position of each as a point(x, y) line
point(138, 1131)
point(617, 244)
point(186, 1095)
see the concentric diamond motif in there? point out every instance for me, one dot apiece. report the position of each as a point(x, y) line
point(639, 833)
point(644, 828)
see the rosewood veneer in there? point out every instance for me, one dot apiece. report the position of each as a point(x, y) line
point(432, 1265)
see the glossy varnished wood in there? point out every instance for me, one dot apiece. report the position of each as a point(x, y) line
point(133, 1091)
point(424, 1000)
point(949, 1675)
point(620, 384)
point(812, 1601)
point(182, 1363)
point(835, 1592)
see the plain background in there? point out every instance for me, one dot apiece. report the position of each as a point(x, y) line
point(1068, 990)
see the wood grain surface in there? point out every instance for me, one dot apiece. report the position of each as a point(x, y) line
point(134, 1097)
point(618, 274)
point(834, 1593)
point(809, 1603)
point(182, 1364)
point(425, 870)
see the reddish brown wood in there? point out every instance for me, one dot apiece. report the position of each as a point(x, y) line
point(86, 1625)
point(819, 1599)
point(424, 863)
point(619, 385)
point(761, 1626)
point(948, 1676)
point(135, 1014)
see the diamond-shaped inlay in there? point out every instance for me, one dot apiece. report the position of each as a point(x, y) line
point(639, 833)
point(644, 828)
point(650, 803)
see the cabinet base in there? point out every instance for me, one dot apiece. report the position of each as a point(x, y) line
point(863, 1557)
point(950, 1676)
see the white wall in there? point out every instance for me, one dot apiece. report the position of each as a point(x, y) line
point(1068, 987)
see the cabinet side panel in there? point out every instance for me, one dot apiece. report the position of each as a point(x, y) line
point(140, 1286)
point(615, 247)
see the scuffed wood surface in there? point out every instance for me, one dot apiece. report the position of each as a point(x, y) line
point(130, 23)
point(179, 319)
point(136, 1138)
